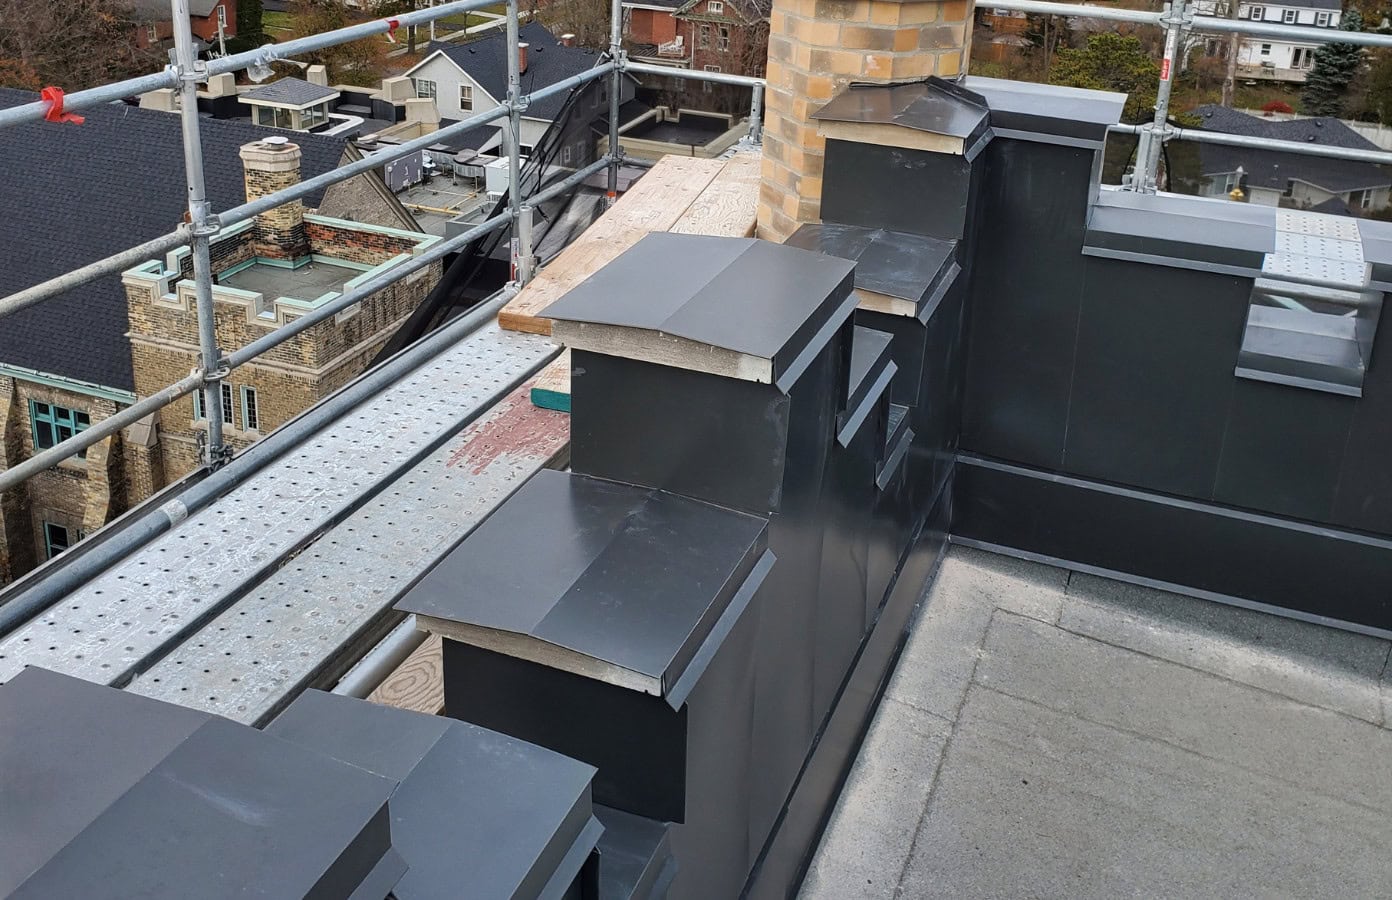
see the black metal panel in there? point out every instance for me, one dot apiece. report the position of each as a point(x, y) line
point(1154, 375)
point(1283, 450)
point(635, 856)
point(1201, 547)
point(715, 439)
point(636, 741)
point(1048, 110)
point(1027, 276)
point(893, 263)
point(934, 105)
point(785, 858)
point(1364, 498)
point(884, 187)
point(475, 811)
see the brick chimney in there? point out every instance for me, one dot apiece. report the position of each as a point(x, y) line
point(816, 49)
point(522, 57)
point(270, 165)
point(567, 40)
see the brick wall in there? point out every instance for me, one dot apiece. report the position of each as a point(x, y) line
point(354, 244)
point(267, 168)
point(817, 48)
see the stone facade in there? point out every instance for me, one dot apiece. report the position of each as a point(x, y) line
point(270, 167)
point(816, 49)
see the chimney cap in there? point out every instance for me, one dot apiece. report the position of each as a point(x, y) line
point(276, 141)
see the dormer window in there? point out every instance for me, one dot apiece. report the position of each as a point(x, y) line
point(715, 7)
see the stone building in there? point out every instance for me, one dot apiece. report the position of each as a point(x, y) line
point(75, 194)
point(268, 272)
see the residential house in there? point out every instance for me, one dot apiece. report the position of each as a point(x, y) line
point(467, 79)
point(1279, 178)
point(291, 103)
point(75, 194)
point(1273, 59)
point(726, 35)
point(155, 27)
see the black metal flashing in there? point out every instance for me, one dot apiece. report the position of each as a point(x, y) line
point(476, 812)
point(121, 796)
point(631, 581)
point(1046, 112)
point(933, 106)
point(897, 264)
point(706, 290)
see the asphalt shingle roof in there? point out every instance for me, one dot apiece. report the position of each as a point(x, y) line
point(547, 63)
point(1274, 168)
point(291, 92)
point(159, 10)
point(76, 193)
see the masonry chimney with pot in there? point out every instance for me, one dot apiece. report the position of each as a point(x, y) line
point(567, 40)
point(270, 165)
point(816, 49)
point(522, 56)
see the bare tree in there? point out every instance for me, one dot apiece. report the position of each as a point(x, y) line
point(1230, 82)
point(73, 44)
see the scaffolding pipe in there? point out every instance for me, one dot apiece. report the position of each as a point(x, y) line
point(84, 566)
point(118, 262)
point(756, 115)
point(381, 660)
point(98, 432)
point(1176, 20)
point(513, 136)
point(202, 226)
point(716, 77)
point(616, 56)
point(1379, 157)
point(526, 260)
point(168, 77)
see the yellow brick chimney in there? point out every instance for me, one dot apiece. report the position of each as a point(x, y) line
point(817, 48)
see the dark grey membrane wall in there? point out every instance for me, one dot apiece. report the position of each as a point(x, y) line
point(1105, 341)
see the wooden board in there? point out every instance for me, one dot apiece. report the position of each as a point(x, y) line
point(655, 203)
point(729, 207)
point(551, 390)
point(418, 683)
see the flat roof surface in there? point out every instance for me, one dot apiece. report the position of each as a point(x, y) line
point(1056, 734)
point(309, 282)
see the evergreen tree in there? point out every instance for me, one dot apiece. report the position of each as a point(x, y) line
point(1112, 62)
point(1335, 65)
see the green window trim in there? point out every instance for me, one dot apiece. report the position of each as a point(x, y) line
point(53, 424)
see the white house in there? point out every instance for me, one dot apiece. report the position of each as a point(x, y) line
point(467, 79)
point(1273, 59)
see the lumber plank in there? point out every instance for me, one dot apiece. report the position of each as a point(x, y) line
point(654, 203)
point(551, 390)
point(729, 207)
point(418, 683)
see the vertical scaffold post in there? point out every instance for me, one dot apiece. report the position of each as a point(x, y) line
point(616, 55)
point(756, 114)
point(513, 133)
point(203, 225)
point(1177, 20)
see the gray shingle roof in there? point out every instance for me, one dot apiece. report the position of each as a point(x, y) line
point(1275, 168)
point(547, 63)
point(76, 193)
point(159, 10)
point(290, 92)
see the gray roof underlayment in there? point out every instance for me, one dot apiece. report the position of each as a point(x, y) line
point(77, 193)
point(1050, 733)
point(1274, 168)
point(547, 63)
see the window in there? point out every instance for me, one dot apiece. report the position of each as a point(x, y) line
point(704, 40)
point(425, 88)
point(273, 117)
point(222, 16)
point(251, 416)
point(1258, 13)
point(1288, 16)
point(707, 86)
point(314, 115)
point(466, 96)
point(226, 403)
point(1322, 20)
point(565, 154)
point(54, 424)
point(152, 33)
point(1265, 49)
point(1360, 199)
point(715, 7)
point(58, 538)
point(1290, 187)
point(722, 43)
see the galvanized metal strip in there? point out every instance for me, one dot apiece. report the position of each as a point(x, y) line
point(116, 621)
point(255, 657)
